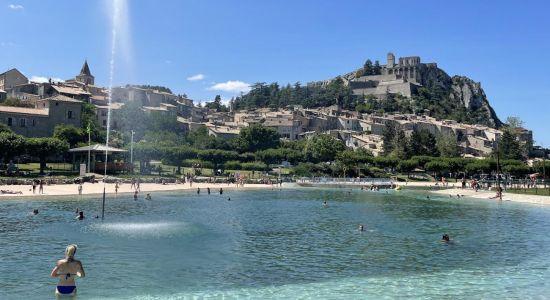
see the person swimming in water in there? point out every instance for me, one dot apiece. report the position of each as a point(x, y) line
point(148, 197)
point(445, 238)
point(66, 269)
point(35, 211)
point(135, 195)
point(361, 227)
point(325, 203)
point(80, 215)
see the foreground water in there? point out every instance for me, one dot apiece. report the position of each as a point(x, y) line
point(279, 244)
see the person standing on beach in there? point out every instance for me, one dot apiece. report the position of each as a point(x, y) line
point(198, 190)
point(116, 188)
point(133, 183)
point(41, 187)
point(80, 189)
point(34, 186)
point(221, 191)
point(138, 185)
point(208, 190)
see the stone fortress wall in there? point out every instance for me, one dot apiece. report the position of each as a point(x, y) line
point(403, 77)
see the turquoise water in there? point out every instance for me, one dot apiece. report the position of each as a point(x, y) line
point(279, 244)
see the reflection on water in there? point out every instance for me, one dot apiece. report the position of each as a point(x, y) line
point(279, 244)
point(128, 229)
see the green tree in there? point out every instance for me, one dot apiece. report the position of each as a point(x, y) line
point(447, 145)
point(70, 134)
point(509, 146)
point(46, 147)
point(368, 68)
point(514, 122)
point(88, 119)
point(217, 104)
point(388, 136)
point(406, 166)
point(437, 166)
point(217, 157)
point(11, 145)
point(257, 137)
point(376, 69)
point(323, 148)
point(175, 155)
point(4, 128)
point(422, 142)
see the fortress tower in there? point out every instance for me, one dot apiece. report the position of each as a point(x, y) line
point(391, 60)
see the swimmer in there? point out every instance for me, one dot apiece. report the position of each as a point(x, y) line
point(450, 196)
point(428, 197)
point(208, 190)
point(228, 199)
point(35, 211)
point(361, 227)
point(445, 238)
point(80, 215)
point(148, 197)
point(325, 203)
point(198, 191)
point(221, 191)
point(458, 195)
point(66, 269)
point(135, 195)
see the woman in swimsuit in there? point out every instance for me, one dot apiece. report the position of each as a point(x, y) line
point(66, 269)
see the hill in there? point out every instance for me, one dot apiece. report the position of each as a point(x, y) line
point(406, 86)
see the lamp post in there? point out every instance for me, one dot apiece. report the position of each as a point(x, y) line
point(89, 145)
point(132, 150)
point(499, 190)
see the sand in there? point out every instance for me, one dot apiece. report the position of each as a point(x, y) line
point(97, 188)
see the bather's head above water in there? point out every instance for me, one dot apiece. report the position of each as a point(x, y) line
point(70, 251)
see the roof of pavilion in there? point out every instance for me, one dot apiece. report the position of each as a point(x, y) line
point(97, 148)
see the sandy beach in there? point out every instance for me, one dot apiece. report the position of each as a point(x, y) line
point(97, 188)
point(454, 188)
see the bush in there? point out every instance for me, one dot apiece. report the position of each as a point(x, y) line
point(232, 165)
point(254, 166)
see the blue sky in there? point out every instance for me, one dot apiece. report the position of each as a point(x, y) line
point(227, 45)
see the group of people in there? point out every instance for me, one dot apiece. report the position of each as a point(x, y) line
point(40, 184)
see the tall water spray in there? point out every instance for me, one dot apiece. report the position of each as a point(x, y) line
point(118, 8)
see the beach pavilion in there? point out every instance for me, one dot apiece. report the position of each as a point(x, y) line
point(116, 159)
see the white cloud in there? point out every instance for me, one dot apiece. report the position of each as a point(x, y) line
point(16, 6)
point(196, 77)
point(233, 86)
point(41, 79)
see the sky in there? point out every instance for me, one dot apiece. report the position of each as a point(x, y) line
point(203, 47)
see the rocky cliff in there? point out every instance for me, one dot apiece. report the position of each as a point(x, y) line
point(463, 91)
point(457, 97)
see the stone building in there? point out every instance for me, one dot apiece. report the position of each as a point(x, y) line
point(41, 120)
point(12, 78)
point(403, 77)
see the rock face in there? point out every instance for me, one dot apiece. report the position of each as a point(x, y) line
point(473, 98)
point(461, 91)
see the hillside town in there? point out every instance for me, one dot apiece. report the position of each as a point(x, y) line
point(51, 103)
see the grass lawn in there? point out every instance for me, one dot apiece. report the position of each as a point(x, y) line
point(539, 191)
